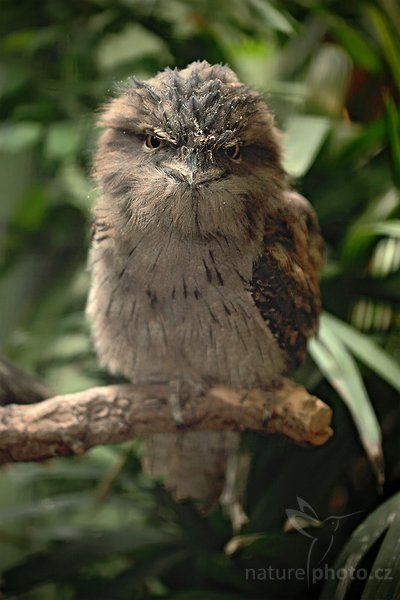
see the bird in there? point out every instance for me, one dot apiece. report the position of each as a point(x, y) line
point(204, 263)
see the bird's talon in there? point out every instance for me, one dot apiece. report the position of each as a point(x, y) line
point(266, 415)
point(180, 423)
point(243, 395)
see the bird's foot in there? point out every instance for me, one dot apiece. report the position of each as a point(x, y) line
point(174, 400)
point(244, 395)
point(179, 390)
point(266, 414)
point(269, 396)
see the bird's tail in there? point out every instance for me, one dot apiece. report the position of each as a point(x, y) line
point(193, 464)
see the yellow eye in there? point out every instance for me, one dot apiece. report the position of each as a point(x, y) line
point(233, 152)
point(152, 142)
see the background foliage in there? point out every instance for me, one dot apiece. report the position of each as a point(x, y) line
point(95, 527)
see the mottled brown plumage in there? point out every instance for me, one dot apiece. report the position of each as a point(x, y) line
point(205, 266)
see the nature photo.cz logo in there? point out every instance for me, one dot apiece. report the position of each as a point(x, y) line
point(304, 519)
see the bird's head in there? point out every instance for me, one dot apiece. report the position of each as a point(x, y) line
point(191, 149)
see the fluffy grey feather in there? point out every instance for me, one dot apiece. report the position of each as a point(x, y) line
point(193, 227)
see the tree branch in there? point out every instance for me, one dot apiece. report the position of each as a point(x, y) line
point(71, 424)
point(19, 386)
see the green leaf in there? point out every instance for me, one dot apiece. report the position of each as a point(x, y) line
point(17, 174)
point(392, 119)
point(18, 290)
point(359, 544)
point(69, 558)
point(17, 137)
point(328, 78)
point(356, 44)
point(275, 18)
point(341, 370)
point(390, 228)
point(147, 570)
point(388, 40)
point(30, 40)
point(77, 185)
point(238, 542)
point(250, 58)
point(32, 211)
point(129, 45)
point(304, 137)
point(366, 350)
point(45, 506)
point(361, 235)
point(202, 594)
point(63, 140)
point(68, 378)
point(384, 581)
point(25, 474)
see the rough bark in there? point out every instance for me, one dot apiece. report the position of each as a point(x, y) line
point(71, 424)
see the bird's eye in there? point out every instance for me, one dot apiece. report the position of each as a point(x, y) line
point(152, 142)
point(233, 152)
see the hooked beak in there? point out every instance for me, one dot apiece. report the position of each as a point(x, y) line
point(193, 171)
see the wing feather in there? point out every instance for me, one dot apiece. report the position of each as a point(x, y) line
point(285, 284)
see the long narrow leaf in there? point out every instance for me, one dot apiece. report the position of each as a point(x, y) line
point(359, 544)
point(201, 594)
point(275, 18)
point(64, 561)
point(384, 580)
point(391, 228)
point(45, 506)
point(366, 350)
point(387, 39)
point(341, 370)
point(356, 44)
point(393, 131)
point(298, 158)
